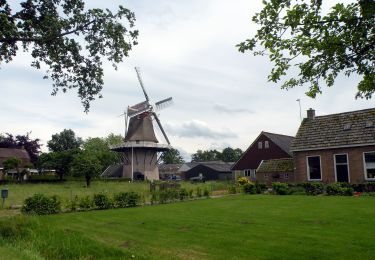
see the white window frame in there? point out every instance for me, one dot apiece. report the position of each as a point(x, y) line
point(260, 145)
point(308, 168)
point(249, 173)
point(347, 163)
point(266, 144)
point(364, 166)
point(246, 172)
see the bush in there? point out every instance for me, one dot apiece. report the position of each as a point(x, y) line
point(313, 188)
point(280, 188)
point(199, 192)
point(102, 201)
point(206, 192)
point(249, 188)
point(85, 203)
point(232, 189)
point(260, 187)
point(191, 193)
point(72, 204)
point(40, 204)
point(183, 194)
point(341, 189)
point(242, 181)
point(127, 199)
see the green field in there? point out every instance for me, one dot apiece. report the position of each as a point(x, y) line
point(232, 227)
point(67, 190)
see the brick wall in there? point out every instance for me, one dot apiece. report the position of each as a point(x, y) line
point(275, 177)
point(355, 159)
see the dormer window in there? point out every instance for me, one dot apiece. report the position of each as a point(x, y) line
point(347, 126)
point(369, 124)
point(260, 145)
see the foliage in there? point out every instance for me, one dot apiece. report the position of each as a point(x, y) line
point(232, 189)
point(227, 155)
point(99, 148)
point(297, 34)
point(338, 188)
point(242, 181)
point(73, 203)
point(206, 192)
point(280, 188)
point(18, 228)
point(40, 204)
point(172, 156)
point(249, 188)
point(85, 203)
point(86, 165)
point(59, 161)
point(32, 146)
point(68, 40)
point(12, 163)
point(183, 193)
point(127, 199)
point(260, 187)
point(102, 201)
point(63, 141)
point(313, 188)
point(113, 139)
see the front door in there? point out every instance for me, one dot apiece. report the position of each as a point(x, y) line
point(341, 168)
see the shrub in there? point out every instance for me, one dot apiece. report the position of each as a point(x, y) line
point(280, 188)
point(191, 193)
point(40, 204)
point(72, 204)
point(134, 199)
point(206, 192)
point(260, 187)
point(232, 189)
point(313, 188)
point(85, 203)
point(249, 188)
point(183, 194)
point(341, 189)
point(102, 201)
point(242, 181)
point(199, 192)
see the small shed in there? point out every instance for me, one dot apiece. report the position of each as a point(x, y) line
point(217, 170)
point(276, 170)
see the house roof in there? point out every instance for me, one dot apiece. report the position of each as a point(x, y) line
point(356, 128)
point(218, 166)
point(14, 152)
point(276, 165)
point(283, 141)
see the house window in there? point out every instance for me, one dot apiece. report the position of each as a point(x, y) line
point(314, 171)
point(286, 176)
point(260, 145)
point(341, 168)
point(249, 173)
point(369, 165)
point(266, 176)
point(266, 144)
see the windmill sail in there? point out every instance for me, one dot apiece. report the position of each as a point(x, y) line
point(163, 103)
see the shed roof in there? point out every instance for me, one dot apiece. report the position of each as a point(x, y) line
point(218, 166)
point(349, 129)
point(276, 165)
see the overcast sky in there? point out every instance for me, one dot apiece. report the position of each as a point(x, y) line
point(186, 50)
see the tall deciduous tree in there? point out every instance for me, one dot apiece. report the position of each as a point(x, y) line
point(87, 166)
point(99, 148)
point(65, 140)
point(230, 155)
point(172, 156)
point(296, 33)
point(68, 40)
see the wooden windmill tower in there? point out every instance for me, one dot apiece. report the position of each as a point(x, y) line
point(141, 149)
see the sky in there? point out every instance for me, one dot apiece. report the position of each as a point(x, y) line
point(187, 51)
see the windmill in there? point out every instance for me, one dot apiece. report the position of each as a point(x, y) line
point(141, 148)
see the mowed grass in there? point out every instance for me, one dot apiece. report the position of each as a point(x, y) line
point(69, 189)
point(232, 227)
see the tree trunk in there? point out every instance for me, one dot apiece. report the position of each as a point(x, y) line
point(88, 179)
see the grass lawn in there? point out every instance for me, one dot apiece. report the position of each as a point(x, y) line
point(67, 190)
point(233, 227)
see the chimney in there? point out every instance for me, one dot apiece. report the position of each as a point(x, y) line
point(311, 114)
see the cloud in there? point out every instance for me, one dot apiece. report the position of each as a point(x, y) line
point(195, 128)
point(230, 110)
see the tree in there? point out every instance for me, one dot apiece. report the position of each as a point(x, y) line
point(99, 148)
point(13, 163)
point(172, 156)
point(113, 139)
point(230, 155)
point(68, 40)
point(65, 140)
point(59, 161)
point(202, 156)
point(32, 146)
point(295, 33)
point(86, 165)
